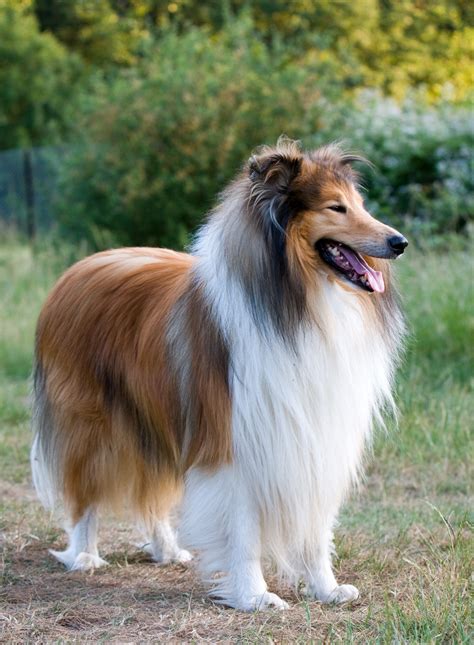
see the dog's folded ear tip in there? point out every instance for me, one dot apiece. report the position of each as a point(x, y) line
point(274, 166)
point(254, 167)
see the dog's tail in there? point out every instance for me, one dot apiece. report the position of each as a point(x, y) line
point(41, 456)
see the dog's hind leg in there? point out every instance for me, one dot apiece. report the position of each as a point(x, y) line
point(82, 553)
point(154, 498)
point(163, 545)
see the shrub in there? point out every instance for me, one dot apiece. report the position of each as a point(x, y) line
point(159, 141)
point(37, 78)
point(422, 158)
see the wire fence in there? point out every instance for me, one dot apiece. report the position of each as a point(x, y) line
point(28, 188)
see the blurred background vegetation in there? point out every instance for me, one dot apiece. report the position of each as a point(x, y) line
point(132, 114)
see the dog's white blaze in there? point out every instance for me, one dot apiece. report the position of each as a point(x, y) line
point(301, 420)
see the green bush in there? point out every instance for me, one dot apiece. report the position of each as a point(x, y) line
point(159, 141)
point(37, 79)
point(422, 176)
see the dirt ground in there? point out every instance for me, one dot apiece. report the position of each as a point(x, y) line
point(134, 600)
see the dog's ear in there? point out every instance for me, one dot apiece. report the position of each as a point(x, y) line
point(272, 200)
point(276, 167)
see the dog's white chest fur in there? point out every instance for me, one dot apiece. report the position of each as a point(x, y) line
point(300, 421)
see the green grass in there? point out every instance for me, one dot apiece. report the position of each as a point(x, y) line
point(405, 539)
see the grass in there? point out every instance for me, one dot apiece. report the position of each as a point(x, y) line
point(405, 539)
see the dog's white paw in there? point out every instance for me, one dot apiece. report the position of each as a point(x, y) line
point(341, 594)
point(82, 562)
point(86, 562)
point(181, 556)
point(66, 557)
point(262, 602)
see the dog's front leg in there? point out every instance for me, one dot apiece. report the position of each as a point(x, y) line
point(245, 581)
point(320, 581)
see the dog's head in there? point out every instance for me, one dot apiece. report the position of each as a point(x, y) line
point(314, 206)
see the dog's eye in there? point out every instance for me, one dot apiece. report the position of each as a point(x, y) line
point(339, 208)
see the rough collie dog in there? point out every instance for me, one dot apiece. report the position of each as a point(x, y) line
point(247, 374)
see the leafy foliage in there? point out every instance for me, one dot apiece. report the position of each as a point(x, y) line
point(423, 162)
point(161, 140)
point(165, 100)
point(37, 78)
point(104, 33)
point(393, 46)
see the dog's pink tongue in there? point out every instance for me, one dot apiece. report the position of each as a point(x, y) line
point(358, 263)
point(375, 280)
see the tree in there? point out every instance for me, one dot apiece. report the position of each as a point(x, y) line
point(162, 139)
point(393, 45)
point(37, 80)
point(104, 33)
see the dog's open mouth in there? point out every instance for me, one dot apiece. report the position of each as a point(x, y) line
point(350, 264)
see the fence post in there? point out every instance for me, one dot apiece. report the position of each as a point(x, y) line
point(29, 195)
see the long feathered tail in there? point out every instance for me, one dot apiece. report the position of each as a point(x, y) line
point(42, 466)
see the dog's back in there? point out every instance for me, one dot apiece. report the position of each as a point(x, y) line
point(102, 430)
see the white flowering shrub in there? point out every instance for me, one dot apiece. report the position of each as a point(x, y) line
point(423, 162)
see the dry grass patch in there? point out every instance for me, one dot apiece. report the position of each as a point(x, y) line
point(414, 583)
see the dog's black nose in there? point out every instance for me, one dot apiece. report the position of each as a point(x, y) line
point(397, 243)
